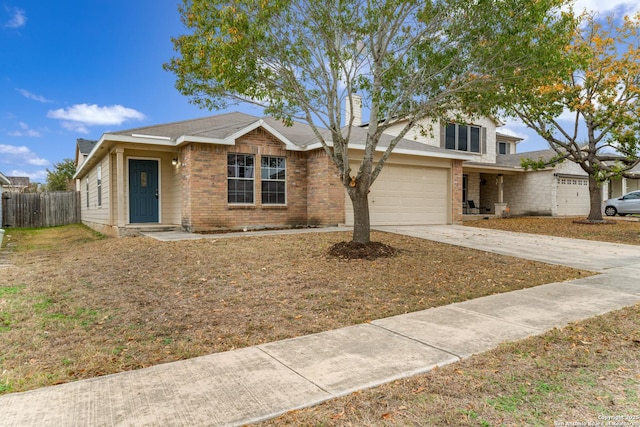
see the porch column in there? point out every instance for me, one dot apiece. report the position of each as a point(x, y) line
point(624, 186)
point(500, 208)
point(122, 220)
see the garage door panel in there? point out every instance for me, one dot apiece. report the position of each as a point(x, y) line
point(407, 195)
point(572, 196)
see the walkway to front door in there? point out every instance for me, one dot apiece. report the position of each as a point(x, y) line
point(143, 191)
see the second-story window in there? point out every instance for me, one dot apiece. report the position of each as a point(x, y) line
point(462, 137)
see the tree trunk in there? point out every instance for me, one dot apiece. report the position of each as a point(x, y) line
point(361, 222)
point(595, 198)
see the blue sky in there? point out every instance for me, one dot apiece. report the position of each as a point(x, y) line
point(76, 69)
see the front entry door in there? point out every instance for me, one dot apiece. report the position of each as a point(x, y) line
point(143, 191)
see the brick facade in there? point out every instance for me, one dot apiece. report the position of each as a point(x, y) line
point(326, 195)
point(314, 195)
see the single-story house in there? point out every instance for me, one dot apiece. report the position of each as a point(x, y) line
point(237, 171)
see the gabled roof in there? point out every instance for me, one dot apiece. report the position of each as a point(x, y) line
point(85, 145)
point(224, 129)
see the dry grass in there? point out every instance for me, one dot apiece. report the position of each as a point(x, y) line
point(76, 306)
point(625, 231)
point(584, 374)
point(575, 376)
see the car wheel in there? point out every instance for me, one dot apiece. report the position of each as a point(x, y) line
point(610, 211)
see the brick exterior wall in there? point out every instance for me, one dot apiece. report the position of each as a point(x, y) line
point(326, 195)
point(311, 197)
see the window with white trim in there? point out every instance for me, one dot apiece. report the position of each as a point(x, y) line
point(503, 148)
point(462, 137)
point(273, 180)
point(240, 171)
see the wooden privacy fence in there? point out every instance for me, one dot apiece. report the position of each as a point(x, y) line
point(36, 210)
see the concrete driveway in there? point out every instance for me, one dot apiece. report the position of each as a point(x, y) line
point(582, 254)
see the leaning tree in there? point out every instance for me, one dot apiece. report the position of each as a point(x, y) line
point(407, 59)
point(590, 112)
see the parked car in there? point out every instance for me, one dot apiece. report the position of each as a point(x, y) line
point(627, 204)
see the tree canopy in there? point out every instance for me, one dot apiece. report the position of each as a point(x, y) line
point(589, 113)
point(61, 177)
point(408, 59)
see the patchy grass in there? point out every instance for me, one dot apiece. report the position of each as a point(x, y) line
point(619, 231)
point(584, 374)
point(75, 305)
point(579, 375)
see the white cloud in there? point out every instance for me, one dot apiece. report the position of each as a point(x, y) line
point(35, 176)
point(512, 130)
point(25, 131)
point(18, 19)
point(33, 96)
point(79, 117)
point(607, 6)
point(20, 155)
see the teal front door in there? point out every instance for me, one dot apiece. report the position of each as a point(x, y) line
point(143, 191)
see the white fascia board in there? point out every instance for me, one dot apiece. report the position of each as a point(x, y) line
point(89, 157)
point(495, 168)
point(452, 156)
point(137, 139)
point(260, 123)
point(290, 145)
point(4, 180)
point(203, 140)
point(231, 139)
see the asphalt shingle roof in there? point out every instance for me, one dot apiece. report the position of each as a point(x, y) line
point(300, 134)
point(85, 145)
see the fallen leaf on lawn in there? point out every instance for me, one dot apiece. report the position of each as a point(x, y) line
point(337, 416)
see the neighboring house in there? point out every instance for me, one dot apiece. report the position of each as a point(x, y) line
point(237, 171)
point(621, 186)
point(560, 190)
point(17, 184)
point(4, 181)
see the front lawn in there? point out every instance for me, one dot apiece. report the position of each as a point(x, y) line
point(75, 305)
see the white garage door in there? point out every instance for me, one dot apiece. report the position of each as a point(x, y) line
point(572, 196)
point(407, 195)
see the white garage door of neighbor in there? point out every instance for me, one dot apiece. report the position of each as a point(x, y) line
point(573, 196)
point(407, 195)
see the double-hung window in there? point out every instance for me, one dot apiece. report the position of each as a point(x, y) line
point(240, 172)
point(462, 137)
point(273, 179)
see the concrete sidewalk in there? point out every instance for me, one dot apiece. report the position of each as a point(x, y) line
point(257, 383)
